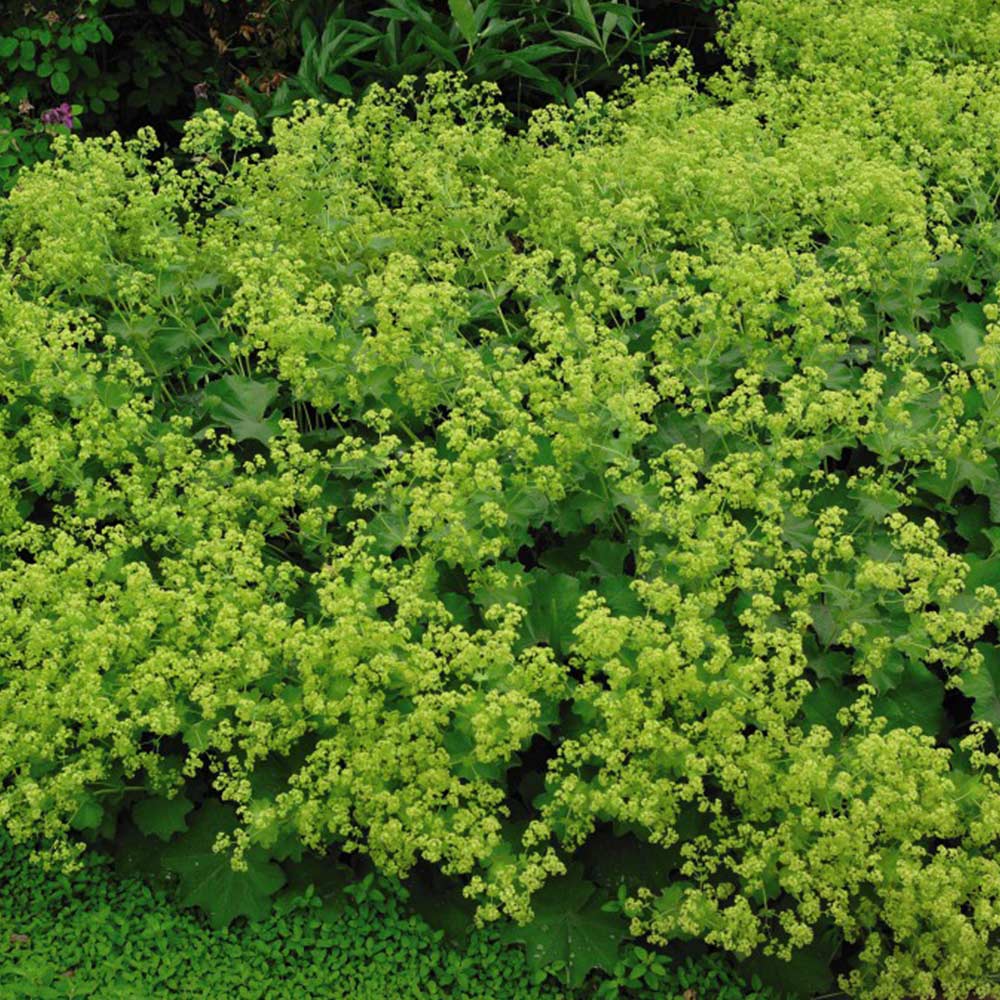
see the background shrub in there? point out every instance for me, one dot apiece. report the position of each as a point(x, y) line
point(122, 64)
point(604, 516)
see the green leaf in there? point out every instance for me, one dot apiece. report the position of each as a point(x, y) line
point(161, 817)
point(917, 700)
point(993, 537)
point(461, 746)
point(208, 880)
point(239, 403)
point(585, 15)
point(828, 664)
point(59, 82)
point(196, 733)
point(465, 18)
point(326, 876)
point(577, 40)
point(439, 901)
point(89, 815)
point(984, 686)
point(617, 591)
point(552, 613)
point(138, 855)
point(964, 334)
point(542, 50)
point(615, 861)
point(605, 557)
point(608, 25)
point(338, 84)
point(983, 479)
point(808, 973)
point(982, 572)
point(506, 583)
point(821, 705)
point(570, 928)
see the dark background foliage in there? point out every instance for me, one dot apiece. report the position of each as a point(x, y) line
point(121, 64)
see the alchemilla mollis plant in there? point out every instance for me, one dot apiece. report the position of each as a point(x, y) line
point(456, 497)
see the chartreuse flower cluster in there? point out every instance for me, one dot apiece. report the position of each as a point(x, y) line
point(456, 497)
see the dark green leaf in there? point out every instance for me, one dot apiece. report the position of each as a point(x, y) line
point(984, 686)
point(208, 880)
point(465, 18)
point(552, 613)
point(570, 928)
point(916, 700)
point(160, 817)
point(239, 403)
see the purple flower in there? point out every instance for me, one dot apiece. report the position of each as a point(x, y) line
point(62, 115)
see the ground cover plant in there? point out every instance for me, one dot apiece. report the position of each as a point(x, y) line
point(604, 518)
point(98, 935)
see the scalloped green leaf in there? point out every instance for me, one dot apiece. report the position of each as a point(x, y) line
point(984, 686)
point(916, 700)
point(207, 879)
point(162, 817)
point(326, 876)
point(570, 928)
point(551, 615)
point(239, 403)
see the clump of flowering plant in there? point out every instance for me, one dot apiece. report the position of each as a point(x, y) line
point(492, 501)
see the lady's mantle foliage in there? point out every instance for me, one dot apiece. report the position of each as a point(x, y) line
point(664, 435)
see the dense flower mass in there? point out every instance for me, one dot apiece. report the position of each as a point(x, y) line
point(460, 497)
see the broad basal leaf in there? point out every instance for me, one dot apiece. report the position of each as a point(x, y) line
point(207, 879)
point(89, 814)
point(614, 861)
point(439, 901)
point(916, 700)
point(808, 973)
point(605, 557)
point(238, 403)
point(552, 613)
point(984, 686)
point(326, 875)
point(821, 705)
point(570, 927)
point(964, 334)
point(161, 817)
